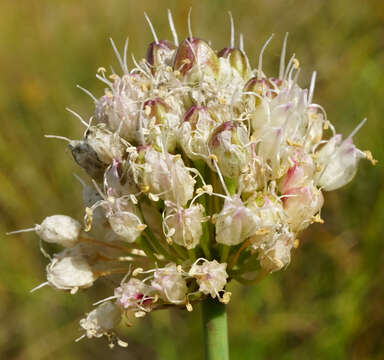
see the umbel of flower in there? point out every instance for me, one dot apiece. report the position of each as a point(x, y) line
point(200, 169)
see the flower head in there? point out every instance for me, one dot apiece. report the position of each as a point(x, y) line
point(194, 154)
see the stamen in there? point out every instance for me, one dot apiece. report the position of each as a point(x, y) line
point(39, 286)
point(173, 30)
point(358, 127)
point(126, 71)
point(232, 44)
point(282, 56)
point(78, 116)
point(57, 137)
point(241, 42)
point(260, 67)
point(87, 92)
point(152, 28)
point(117, 54)
point(189, 23)
point(21, 231)
point(312, 87)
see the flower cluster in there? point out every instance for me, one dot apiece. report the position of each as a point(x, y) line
point(201, 170)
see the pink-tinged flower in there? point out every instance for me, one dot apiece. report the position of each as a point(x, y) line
point(300, 173)
point(210, 275)
point(338, 162)
point(134, 295)
point(301, 204)
point(170, 284)
point(185, 225)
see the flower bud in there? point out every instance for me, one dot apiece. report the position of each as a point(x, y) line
point(187, 224)
point(338, 163)
point(235, 222)
point(59, 229)
point(262, 87)
point(237, 59)
point(196, 59)
point(160, 53)
point(301, 204)
point(170, 284)
point(101, 320)
point(211, 277)
point(227, 143)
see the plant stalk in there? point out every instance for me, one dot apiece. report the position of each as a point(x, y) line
point(215, 330)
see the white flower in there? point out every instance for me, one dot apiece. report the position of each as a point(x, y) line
point(101, 320)
point(278, 255)
point(301, 204)
point(195, 131)
point(235, 222)
point(186, 224)
point(210, 275)
point(59, 229)
point(227, 143)
point(70, 270)
point(167, 176)
point(338, 162)
point(170, 284)
point(120, 107)
point(107, 145)
point(126, 224)
point(161, 123)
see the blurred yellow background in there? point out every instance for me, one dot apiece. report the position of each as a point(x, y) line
point(328, 304)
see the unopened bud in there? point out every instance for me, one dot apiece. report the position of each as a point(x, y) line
point(237, 59)
point(196, 58)
point(59, 229)
point(160, 53)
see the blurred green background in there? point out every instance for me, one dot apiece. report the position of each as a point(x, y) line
point(328, 304)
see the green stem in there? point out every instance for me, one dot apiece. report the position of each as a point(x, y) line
point(215, 330)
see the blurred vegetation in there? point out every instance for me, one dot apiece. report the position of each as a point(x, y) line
point(328, 304)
